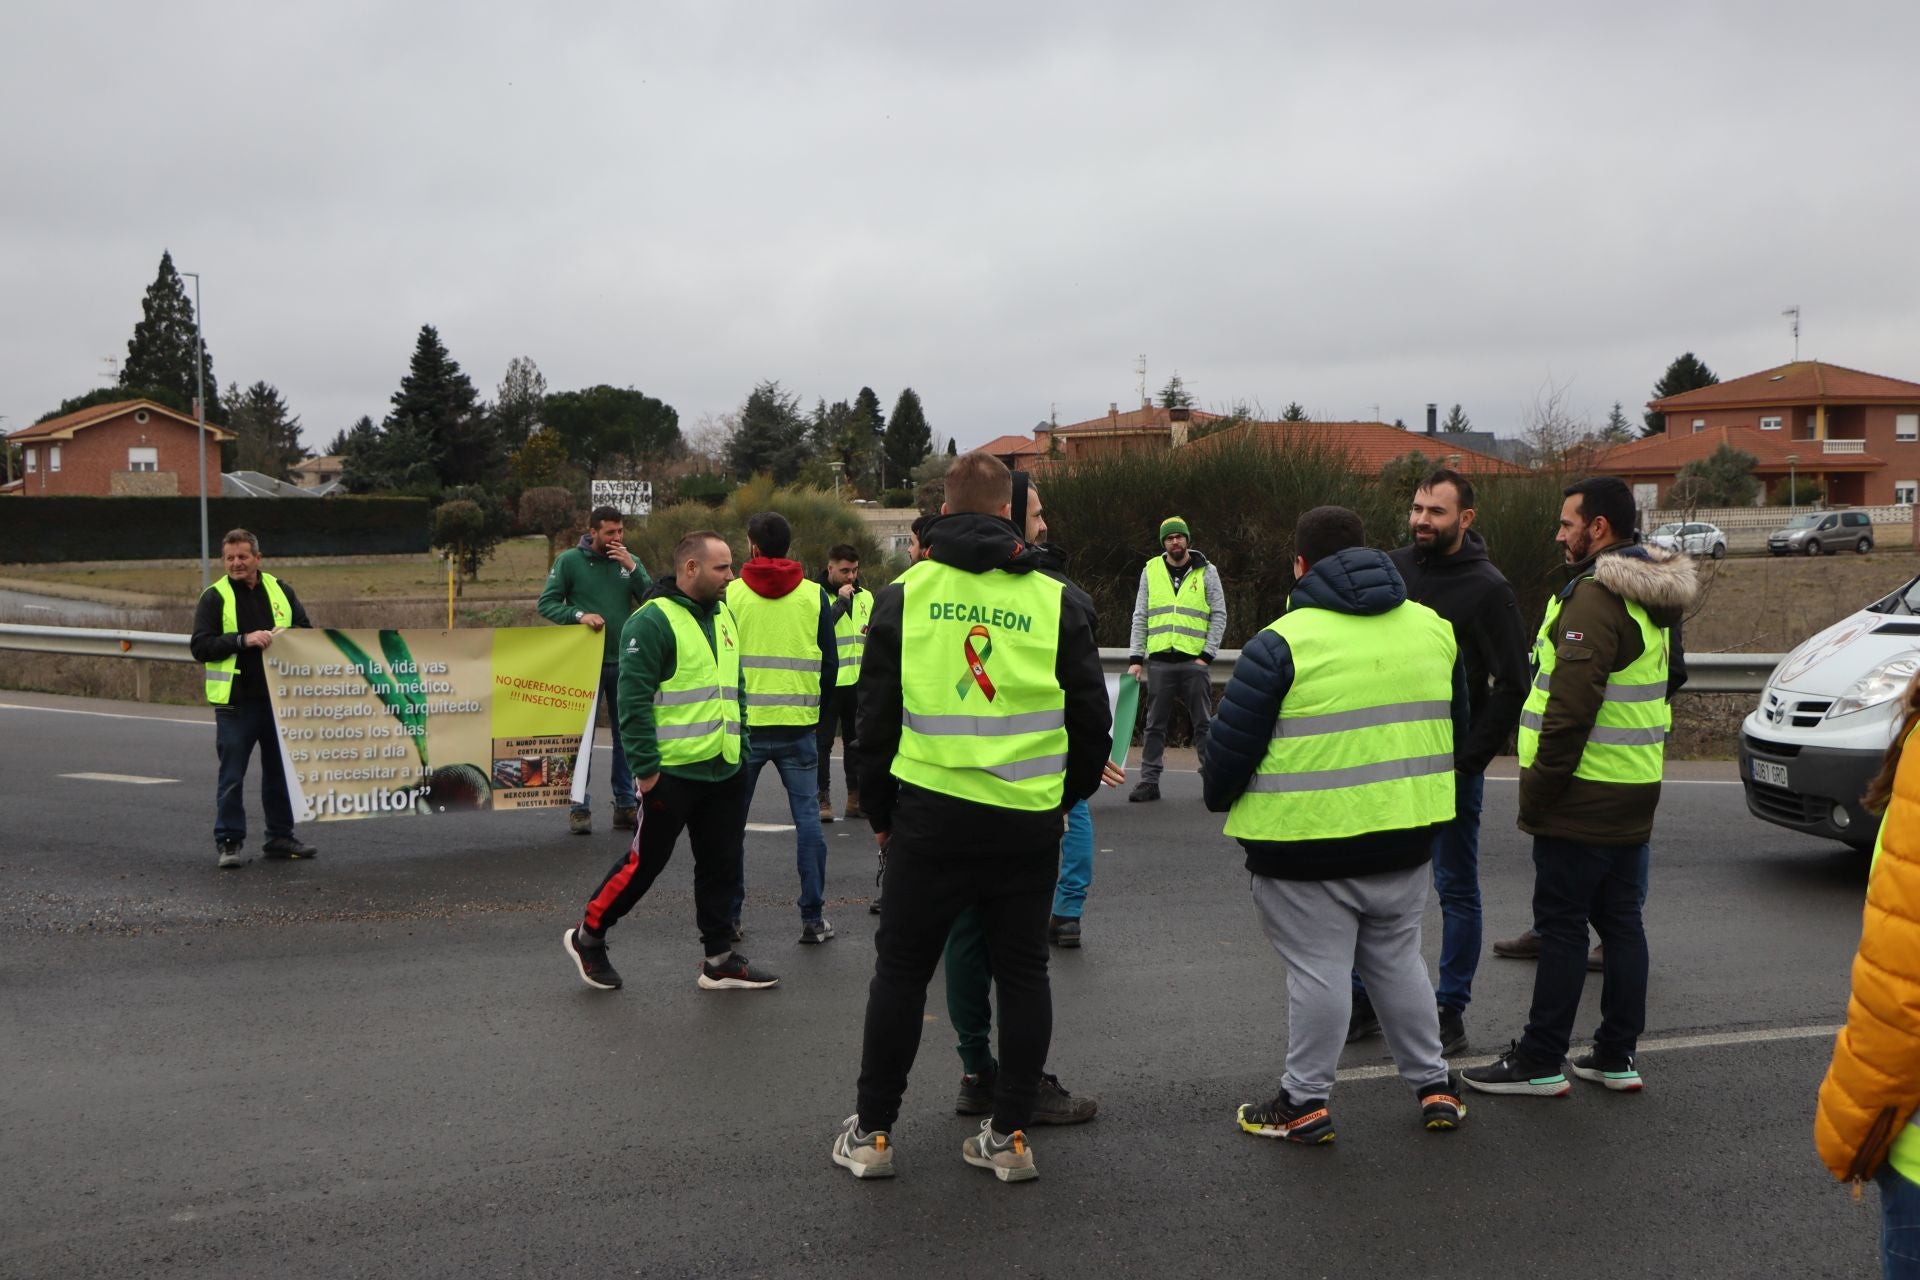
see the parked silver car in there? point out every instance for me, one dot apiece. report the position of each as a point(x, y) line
point(1696, 538)
point(1819, 531)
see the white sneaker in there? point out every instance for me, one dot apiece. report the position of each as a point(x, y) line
point(1011, 1161)
point(868, 1157)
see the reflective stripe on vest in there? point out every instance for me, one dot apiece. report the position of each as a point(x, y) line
point(696, 711)
point(1342, 762)
point(779, 653)
point(983, 717)
point(1176, 620)
point(219, 675)
point(1627, 743)
point(850, 637)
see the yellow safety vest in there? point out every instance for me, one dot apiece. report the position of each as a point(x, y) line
point(220, 674)
point(696, 711)
point(850, 637)
point(983, 717)
point(1627, 743)
point(1364, 740)
point(1177, 620)
point(779, 653)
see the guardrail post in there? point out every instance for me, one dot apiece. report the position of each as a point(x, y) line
point(142, 682)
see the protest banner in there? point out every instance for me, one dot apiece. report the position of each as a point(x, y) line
point(379, 723)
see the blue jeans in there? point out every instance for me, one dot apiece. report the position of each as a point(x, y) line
point(1574, 884)
point(237, 729)
point(1899, 1225)
point(622, 776)
point(1076, 863)
point(798, 760)
point(1456, 882)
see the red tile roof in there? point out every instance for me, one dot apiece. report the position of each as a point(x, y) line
point(63, 427)
point(1802, 382)
point(1670, 450)
point(1369, 446)
point(1005, 446)
point(1151, 418)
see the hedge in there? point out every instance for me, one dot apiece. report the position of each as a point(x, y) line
point(38, 530)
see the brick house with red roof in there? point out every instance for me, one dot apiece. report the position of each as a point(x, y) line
point(132, 448)
point(1857, 433)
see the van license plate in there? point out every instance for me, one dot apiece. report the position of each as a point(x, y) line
point(1774, 775)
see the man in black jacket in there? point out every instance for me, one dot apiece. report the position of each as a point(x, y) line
point(1446, 568)
point(970, 832)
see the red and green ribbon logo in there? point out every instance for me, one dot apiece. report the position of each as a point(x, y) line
point(976, 665)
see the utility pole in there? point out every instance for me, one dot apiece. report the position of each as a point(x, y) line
point(200, 420)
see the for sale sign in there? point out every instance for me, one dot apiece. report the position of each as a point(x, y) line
point(632, 497)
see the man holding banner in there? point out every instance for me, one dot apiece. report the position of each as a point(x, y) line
point(682, 724)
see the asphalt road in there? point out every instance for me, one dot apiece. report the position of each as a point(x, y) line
point(381, 1063)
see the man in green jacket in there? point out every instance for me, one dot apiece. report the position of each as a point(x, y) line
point(685, 732)
point(596, 585)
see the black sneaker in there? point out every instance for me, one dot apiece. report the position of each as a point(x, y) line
point(1054, 1105)
point(1441, 1108)
point(1145, 791)
point(976, 1094)
point(1511, 1073)
point(281, 848)
point(1453, 1032)
point(231, 855)
point(595, 969)
point(1364, 1022)
point(814, 931)
point(735, 973)
point(873, 908)
point(1615, 1071)
point(1308, 1123)
point(1063, 931)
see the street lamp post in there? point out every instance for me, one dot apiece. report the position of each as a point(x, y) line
point(200, 420)
point(1793, 487)
point(838, 467)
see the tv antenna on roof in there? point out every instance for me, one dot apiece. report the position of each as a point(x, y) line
point(113, 369)
point(1140, 367)
point(1795, 313)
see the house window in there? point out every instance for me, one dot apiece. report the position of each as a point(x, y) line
point(1906, 491)
point(1699, 424)
point(143, 458)
point(33, 461)
point(53, 457)
point(1906, 426)
point(1769, 424)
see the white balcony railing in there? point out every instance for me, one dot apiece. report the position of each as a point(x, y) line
point(1843, 446)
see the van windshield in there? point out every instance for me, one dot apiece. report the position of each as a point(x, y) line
point(1803, 522)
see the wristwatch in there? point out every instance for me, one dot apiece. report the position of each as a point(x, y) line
point(579, 614)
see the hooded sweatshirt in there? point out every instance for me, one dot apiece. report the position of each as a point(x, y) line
point(775, 579)
point(1464, 588)
point(946, 824)
point(649, 655)
point(583, 581)
point(1553, 802)
point(1357, 581)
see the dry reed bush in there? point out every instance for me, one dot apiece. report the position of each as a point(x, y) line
point(819, 520)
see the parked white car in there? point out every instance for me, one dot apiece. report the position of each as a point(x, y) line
point(1824, 721)
point(1696, 538)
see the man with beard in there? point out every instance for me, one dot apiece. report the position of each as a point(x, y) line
point(1179, 621)
point(1592, 744)
point(1446, 568)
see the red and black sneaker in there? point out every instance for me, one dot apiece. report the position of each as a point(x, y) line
point(1308, 1122)
point(595, 969)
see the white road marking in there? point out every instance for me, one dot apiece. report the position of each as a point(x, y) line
point(1712, 1040)
point(105, 715)
point(769, 826)
point(133, 779)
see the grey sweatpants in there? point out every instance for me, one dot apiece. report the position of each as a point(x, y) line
point(1189, 682)
point(1324, 930)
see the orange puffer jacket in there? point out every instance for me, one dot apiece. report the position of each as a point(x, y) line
point(1873, 1086)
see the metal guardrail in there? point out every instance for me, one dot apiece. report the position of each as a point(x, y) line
point(1706, 672)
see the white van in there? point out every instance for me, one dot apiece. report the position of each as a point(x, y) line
point(1825, 719)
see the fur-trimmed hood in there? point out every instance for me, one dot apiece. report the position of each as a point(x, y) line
point(1661, 581)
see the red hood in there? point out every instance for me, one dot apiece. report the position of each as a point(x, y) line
point(772, 578)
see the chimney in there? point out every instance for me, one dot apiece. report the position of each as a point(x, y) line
point(1113, 413)
point(1433, 419)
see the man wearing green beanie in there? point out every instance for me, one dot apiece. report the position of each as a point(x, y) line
point(1179, 620)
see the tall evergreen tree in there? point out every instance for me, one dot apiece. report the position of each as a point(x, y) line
point(1618, 430)
point(841, 438)
point(1686, 373)
point(872, 424)
point(909, 438)
point(771, 435)
point(1294, 413)
point(269, 432)
point(517, 402)
point(161, 352)
point(613, 430)
point(1456, 422)
point(1175, 395)
point(437, 402)
point(953, 447)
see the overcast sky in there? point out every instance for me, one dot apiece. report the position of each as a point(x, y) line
point(1002, 205)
